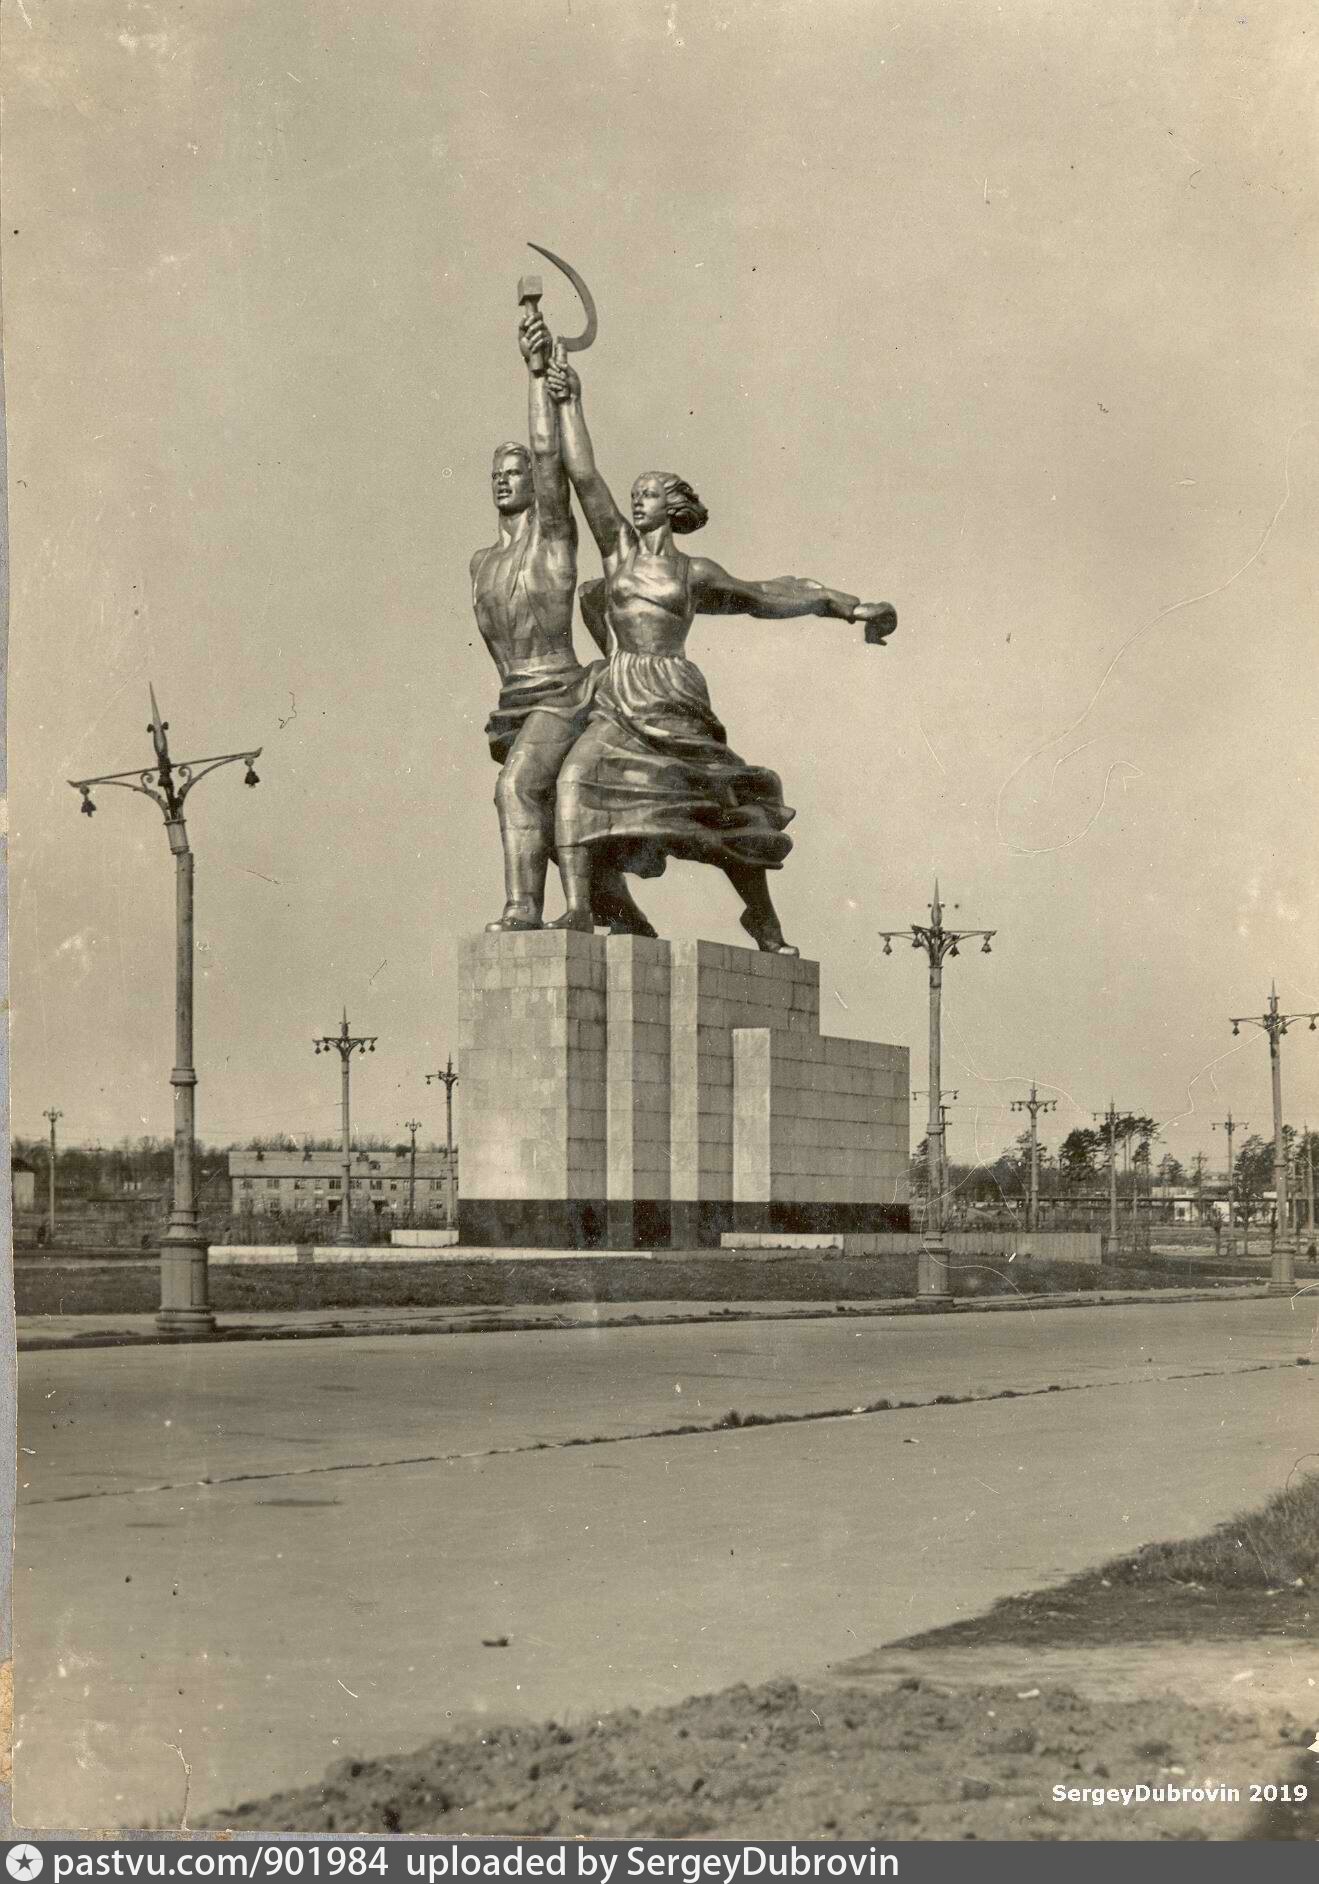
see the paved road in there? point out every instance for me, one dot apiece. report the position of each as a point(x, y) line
point(373, 1517)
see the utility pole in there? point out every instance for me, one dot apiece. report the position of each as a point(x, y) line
point(450, 1079)
point(1275, 1024)
point(1309, 1183)
point(1231, 1126)
point(345, 1045)
point(1034, 1105)
point(413, 1126)
point(938, 943)
point(1111, 1120)
point(185, 1309)
point(52, 1115)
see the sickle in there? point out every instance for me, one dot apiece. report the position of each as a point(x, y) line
point(588, 333)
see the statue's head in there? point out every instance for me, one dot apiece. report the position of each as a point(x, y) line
point(510, 479)
point(661, 497)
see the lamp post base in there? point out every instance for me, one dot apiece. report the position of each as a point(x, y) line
point(186, 1324)
point(1283, 1279)
point(185, 1311)
point(932, 1273)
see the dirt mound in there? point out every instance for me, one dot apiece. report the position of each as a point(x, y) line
point(781, 1761)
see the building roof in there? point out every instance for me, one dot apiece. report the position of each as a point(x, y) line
point(302, 1164)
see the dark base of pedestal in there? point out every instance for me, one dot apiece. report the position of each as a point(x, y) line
point(186, 1324)
point(553, 1223)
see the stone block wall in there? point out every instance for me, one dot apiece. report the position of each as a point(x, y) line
point(627, 1092)
point(638, 1069)
point(820, 1121)
point(532, 1089)
point(718, 991)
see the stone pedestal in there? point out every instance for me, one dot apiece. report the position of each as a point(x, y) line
point(625, 1093)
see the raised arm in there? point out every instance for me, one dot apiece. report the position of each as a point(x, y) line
point(550, 480)
point(608, 524)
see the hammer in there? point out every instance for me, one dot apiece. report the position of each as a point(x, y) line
point(530, 290)
point(881, 625)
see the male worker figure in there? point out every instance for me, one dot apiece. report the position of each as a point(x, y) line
point(523, 587)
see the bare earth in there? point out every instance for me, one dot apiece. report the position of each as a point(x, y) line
point(783, 1761)
point(1174, 1687)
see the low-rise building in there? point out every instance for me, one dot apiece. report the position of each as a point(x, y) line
point(23, 1178)
point(1205, 1202)
point(296, 1183)
point(1208, 1203)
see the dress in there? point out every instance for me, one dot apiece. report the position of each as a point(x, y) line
point(653, 776)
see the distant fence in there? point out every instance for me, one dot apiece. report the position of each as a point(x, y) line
point(1257, 1241)
point(79, 1227)
point(90, 1229)
point(1084, 1247)
point(318, 1227)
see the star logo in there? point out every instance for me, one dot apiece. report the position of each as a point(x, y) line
point(24, 1861)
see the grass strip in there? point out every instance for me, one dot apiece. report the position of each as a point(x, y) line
point(93, 1289)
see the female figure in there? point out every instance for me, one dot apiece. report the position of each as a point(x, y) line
point(653, 777)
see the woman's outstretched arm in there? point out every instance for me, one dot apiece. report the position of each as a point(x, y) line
point(593, 494)
point(715, 592)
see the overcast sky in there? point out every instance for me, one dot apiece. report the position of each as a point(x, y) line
point(1004, 313)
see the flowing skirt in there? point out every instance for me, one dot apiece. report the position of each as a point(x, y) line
point(653, 777)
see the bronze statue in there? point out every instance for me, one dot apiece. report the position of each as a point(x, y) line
point(652, 775)
point(522, 591)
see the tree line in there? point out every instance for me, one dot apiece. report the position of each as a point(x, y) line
point(1079, 1166)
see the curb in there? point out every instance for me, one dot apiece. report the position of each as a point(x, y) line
point(551, 1324)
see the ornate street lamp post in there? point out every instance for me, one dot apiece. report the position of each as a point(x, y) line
point(346, 1045)
point(1275, 1024)
point(1111, 1120)
point(1231, 1126)
point(1034, 1105)
point(54, 1115)
point(1142, 1165)
point(450, 1079)
point(938, 943)
point(946, 1102)
point(413, 1126)
point(184, 1301)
